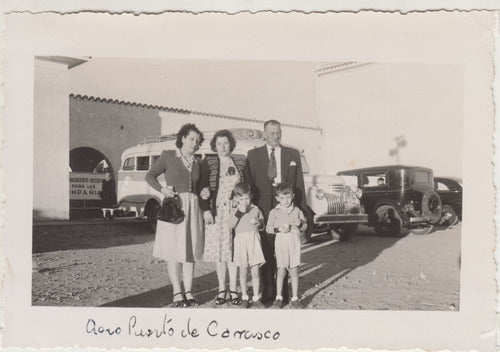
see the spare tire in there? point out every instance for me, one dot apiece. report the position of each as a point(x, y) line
point(432, 207)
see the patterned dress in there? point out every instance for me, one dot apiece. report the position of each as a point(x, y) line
point(218, 236)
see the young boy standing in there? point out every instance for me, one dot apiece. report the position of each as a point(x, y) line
point(287, 222)
point(247, 221)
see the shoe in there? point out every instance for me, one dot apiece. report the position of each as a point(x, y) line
point(245, 303)
point(278, 304)
point(296, 304)
point(235, 298)
point(192, 302)
point(257, 304)
point(182, 303)
point(220, 300)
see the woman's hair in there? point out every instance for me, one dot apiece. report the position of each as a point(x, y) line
point(184, 131)
point(241, 189)
point(223, 133)
point(284, 188)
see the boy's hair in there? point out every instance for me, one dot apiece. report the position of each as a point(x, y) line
point(241, 189)
point(284, 188)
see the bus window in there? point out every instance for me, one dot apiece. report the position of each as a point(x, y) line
point(129, 164)
point(143, 163)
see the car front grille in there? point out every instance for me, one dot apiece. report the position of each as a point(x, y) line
point(336, 203)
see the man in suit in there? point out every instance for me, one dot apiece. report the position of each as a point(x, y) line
point(268, 166)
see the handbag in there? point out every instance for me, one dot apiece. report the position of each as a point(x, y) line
point(171, 211)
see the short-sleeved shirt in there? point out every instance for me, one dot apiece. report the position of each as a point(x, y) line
point(279, 217)
point(245, 222)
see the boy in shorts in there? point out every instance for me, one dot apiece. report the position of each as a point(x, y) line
point(287, 222)
point(247, 221)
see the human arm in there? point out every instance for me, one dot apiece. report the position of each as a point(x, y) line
point(156, 170)
point(270, 227)
point(204, 186)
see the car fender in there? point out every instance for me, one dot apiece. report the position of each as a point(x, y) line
point(137, 203)
point(391, 202)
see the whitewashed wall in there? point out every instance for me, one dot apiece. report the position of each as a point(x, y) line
point(364, 108)
point(51, 141)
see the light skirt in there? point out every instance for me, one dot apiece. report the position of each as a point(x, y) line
point(182, 242)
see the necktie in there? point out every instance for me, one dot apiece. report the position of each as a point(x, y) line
point(271, 168)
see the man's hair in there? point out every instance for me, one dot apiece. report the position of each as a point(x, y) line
point(271, 122)
point(284, 188)
point(241, 189)
point(184, 131)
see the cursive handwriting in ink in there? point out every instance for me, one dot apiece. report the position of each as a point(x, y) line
point(155, 332)
point(213, 331)
point(92, 328)
point(188, 331)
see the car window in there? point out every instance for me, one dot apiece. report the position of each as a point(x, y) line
point(440, 186)
point(143, 163)
point(374, 179)
point(422, 176)
point(129, 164)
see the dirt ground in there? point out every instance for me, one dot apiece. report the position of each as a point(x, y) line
point(110, 263)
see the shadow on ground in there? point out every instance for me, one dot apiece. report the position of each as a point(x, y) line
point(86, 236)
point(324, 263)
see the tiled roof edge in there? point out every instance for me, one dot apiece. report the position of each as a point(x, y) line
point(183, 111)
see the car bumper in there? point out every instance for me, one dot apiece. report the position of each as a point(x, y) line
point(341, 219)
point(418, 220)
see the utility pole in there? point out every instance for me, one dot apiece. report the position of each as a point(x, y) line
point(400, 143)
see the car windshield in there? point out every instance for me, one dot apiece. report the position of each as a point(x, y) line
point(350, 180)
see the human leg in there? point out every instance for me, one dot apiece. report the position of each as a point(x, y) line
point(187, 278)
point(294, 275)
point(243, 284)
point(174, 270)
point(220, 268)
point(233, 273)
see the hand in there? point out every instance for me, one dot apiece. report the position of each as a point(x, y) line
point(285, 228)
point(207, 216)
point(205, 193)
point(297, 222)
point(255, 221)
point(168, 192)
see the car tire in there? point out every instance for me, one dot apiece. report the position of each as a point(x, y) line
point(449, 217)
point(388, 222)
point(344, 232)
point(432, 207)
point(151, 214)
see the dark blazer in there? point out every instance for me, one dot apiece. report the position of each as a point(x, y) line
point(210, 169)
point(258, 160)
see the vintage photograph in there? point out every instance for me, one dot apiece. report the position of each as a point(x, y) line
point(247, 184)
point(258, 180)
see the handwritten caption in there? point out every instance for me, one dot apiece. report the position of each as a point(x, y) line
point(187, 329)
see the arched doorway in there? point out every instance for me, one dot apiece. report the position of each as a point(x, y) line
point(88, 168)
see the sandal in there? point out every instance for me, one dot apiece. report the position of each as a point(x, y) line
point(220, 300)
point(191, 302)
point(236, 301)
point(182, 303)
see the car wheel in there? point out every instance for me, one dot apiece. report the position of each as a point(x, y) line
point(432, 207)
point(151, 213)
point(425, 230)
point(344, 232)
point(389, 222)
point(449, 217)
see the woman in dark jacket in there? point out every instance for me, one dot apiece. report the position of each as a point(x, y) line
point(220, 173)
point(180, 244)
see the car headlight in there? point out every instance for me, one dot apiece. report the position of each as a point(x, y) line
point(320, 194)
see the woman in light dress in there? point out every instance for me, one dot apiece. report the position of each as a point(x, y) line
point(220, 173)
point(180, 244)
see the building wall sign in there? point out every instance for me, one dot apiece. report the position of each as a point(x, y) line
point(85, 185)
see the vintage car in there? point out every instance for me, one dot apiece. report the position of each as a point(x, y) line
point(450, 192)
point(398, 196)
point(334, 204)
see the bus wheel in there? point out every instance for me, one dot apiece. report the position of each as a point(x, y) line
point(151, 213)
